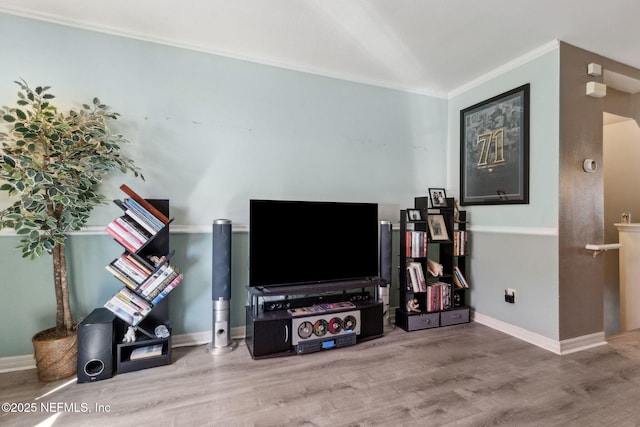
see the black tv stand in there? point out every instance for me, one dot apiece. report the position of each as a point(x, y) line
point(270, 333)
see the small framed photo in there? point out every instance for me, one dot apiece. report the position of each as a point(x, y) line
point(414, 215)
point(437, 227)
point(438, 197)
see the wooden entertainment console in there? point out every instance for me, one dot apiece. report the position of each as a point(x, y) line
point(332, 318)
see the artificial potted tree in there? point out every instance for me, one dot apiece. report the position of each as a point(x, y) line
point(51, 164)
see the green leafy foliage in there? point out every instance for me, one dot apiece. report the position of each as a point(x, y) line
point(52, 163)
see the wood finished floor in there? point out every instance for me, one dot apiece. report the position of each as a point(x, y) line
point(466, 375)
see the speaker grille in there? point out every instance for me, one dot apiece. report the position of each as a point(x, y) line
point(385, 251)
point(95, 339)
point(221, 260)
point(96, 346)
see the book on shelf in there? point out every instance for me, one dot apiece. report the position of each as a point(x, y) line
point(145, 204)
point(416, 244)
point(133, 228)
point(126, 231)
point(128, 306)
point(126, 280)
point(146, 216)
point(138, 217)
point(459, 243)
point(119, 236)
point(175, 282)
point(146, 351)
point(164, 285)
point(158, 281)
point(459, 279)
point(415, 277)
point(126, 265)
point(141, 265)
point(438, 297)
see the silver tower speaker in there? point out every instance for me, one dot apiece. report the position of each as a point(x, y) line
point(384, 263)
point(221, 287)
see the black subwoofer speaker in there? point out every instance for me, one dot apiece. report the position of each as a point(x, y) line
point(96, 346)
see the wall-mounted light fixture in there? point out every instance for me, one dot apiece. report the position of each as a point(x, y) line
point(597, 90)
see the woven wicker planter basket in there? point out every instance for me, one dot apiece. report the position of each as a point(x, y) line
point(55, 358)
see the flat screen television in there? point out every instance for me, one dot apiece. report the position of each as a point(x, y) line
point(304, 242)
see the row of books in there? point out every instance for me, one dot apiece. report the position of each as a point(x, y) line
point(128, 306)
point(163, 278)
point(416, 244)
point(125, 231)
point(438, 297)
point(133, 306)
point(458, 278)
point(416, 279)
point(147, 280)
point(143, 218)
point(129, 270)
point(459, 243)
point(140, 222)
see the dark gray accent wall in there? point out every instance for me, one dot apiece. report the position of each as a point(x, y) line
point(581, 207)
point(581, 199)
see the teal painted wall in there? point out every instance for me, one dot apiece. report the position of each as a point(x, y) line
point(209, 134)
point(516, 246)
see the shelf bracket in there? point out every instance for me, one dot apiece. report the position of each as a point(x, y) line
point(598, 249)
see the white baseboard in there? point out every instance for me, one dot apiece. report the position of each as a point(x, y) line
point(563, 347)
point(204, 337)
point(17, 363)
point(21, 363)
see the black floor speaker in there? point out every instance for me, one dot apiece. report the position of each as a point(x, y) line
point(96, 346)
point(385, 245)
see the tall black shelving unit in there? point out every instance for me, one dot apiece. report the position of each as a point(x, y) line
point(158, 247)
point(450, 253)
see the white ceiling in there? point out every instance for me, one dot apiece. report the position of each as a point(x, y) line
point(427, 46)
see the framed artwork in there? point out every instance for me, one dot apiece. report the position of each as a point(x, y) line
point(437, 227)
point(414, 215)
point(494, 150)
point(438, 197)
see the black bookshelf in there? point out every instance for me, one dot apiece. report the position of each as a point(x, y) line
point(154, 255)
point(440, 300)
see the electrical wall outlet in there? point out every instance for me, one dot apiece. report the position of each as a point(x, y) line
point(510, 296)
